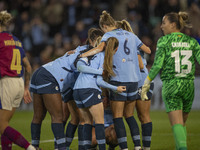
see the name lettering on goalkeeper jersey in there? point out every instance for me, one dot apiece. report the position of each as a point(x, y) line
point(180, 44)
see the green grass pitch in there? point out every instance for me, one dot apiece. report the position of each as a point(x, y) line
point(162, 137)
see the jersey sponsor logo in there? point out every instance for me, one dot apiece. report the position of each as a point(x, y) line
point(129, 59)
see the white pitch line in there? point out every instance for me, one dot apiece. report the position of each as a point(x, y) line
point(75, 138)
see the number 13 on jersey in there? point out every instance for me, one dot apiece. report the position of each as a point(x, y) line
point(186, 54)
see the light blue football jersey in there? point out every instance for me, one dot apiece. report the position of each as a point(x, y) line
point(62, 68)
point(125, 60)
point(86, 80)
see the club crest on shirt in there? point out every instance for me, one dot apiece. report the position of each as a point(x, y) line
point(56, 88)
point(123, 60)
point(99, 96)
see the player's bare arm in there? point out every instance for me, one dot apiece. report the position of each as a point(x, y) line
point(27, 75)
point(146, 49)
point(95, 50)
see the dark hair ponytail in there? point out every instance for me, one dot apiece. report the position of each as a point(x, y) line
point(181, 19)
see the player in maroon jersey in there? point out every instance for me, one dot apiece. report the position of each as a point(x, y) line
point(12, 86)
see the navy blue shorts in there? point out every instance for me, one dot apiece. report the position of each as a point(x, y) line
point(85, 98)
point(149, 93)
point(67, 95)
point(129, 95)
point(108, 118)
point(43, 82)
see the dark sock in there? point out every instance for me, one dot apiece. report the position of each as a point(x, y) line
point(112, 147)
point(80, 138)
point(135, 133)
point(70, 131)
point(35, 134)
point(14, 136)
point(58, 131)
point(55, 144)
point(120, 132)
point(146, 134)
point(87, 136)
point(100, 136)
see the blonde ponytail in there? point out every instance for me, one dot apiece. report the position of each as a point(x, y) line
point(124, 25)
point(106, 19)
point(184, 20)
point(111, 45)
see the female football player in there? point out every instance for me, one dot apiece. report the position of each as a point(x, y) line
point(175, 55)
point(143, 107)
point(47, 84)
point(12, 87)
point(126, 73)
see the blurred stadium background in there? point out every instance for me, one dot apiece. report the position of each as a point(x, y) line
point(49, 28)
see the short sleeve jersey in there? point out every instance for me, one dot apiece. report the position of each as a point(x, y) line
point(62, 67)
point(11, 55)
point(176, 54)
point(125, 60)
point(86, 80)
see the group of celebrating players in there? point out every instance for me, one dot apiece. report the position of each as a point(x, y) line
point(109, 61)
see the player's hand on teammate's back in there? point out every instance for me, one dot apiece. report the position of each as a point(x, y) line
point(121, 89)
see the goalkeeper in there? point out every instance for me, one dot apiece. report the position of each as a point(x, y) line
point(175, 55)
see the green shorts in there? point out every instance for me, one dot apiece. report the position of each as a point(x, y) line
point(178, 94)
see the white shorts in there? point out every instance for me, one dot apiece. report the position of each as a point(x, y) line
point(11, 92)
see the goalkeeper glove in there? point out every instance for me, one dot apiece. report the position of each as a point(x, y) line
point(145, 88)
